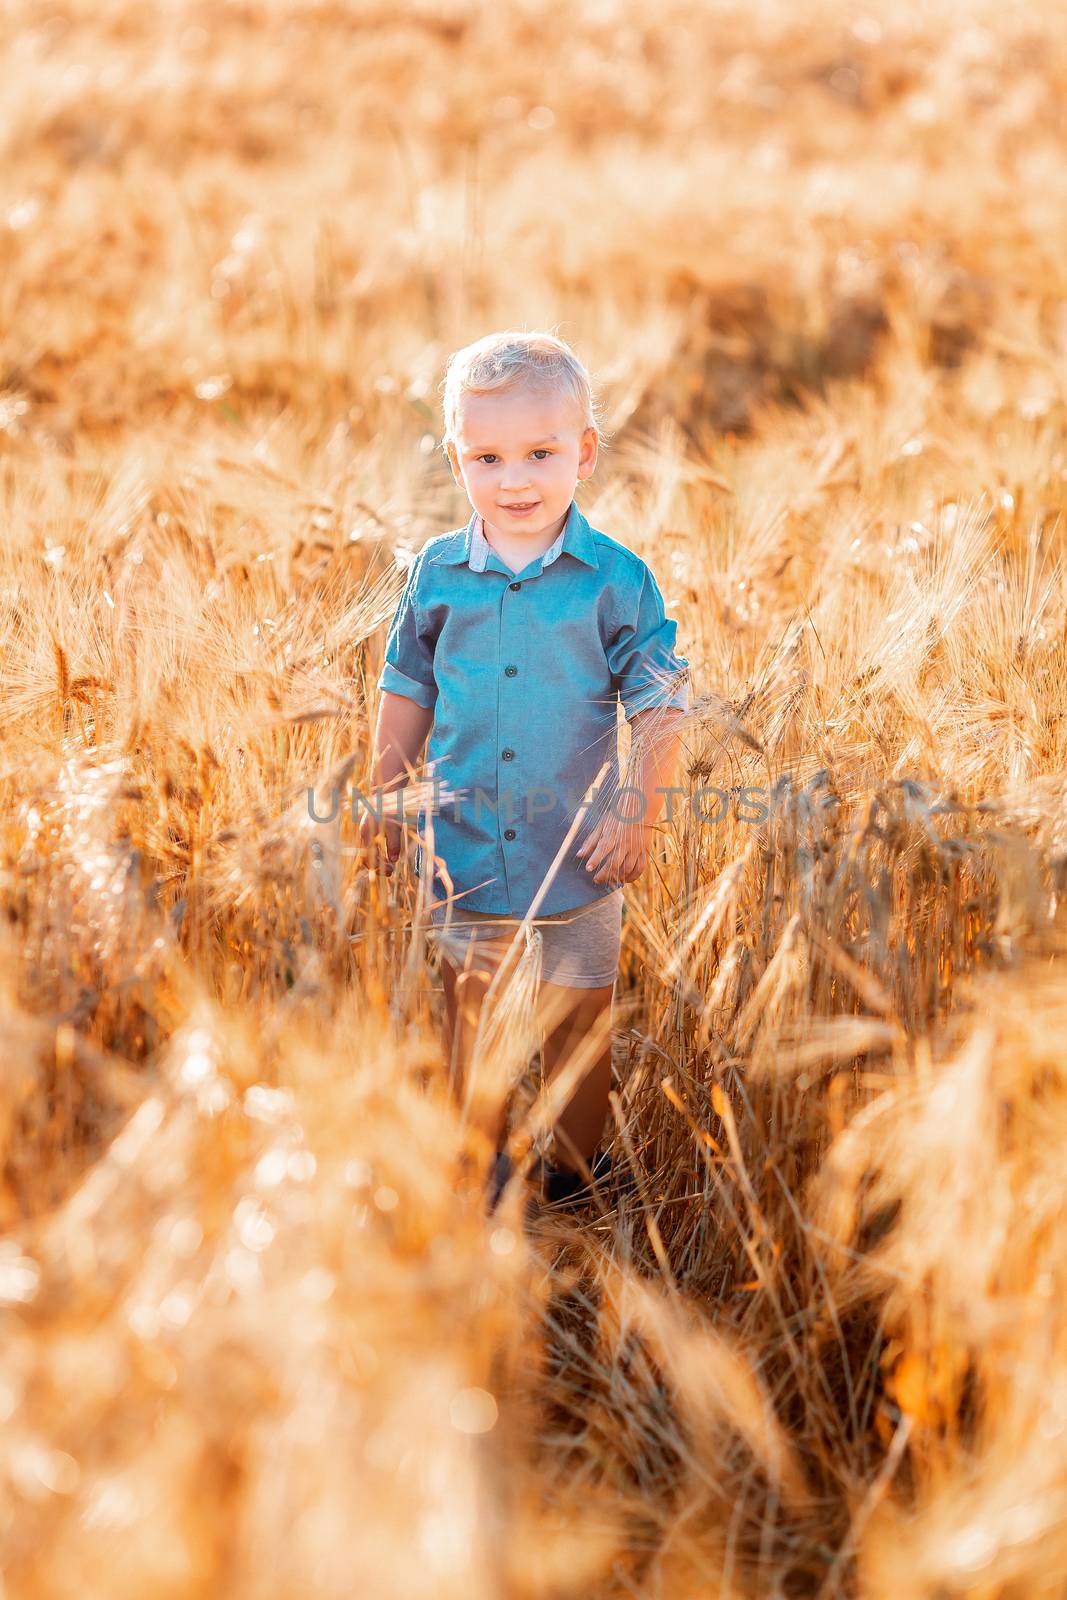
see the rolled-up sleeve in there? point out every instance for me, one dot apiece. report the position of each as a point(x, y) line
point(644, 665)
point(408, 668)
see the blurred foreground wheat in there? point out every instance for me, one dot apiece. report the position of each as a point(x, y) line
point(257, 1338)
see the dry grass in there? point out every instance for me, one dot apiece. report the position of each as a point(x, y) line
point(257, 1338)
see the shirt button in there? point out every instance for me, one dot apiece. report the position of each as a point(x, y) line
point(509, 672)
point(507, 755)
point(509, 833)
point(514, 585)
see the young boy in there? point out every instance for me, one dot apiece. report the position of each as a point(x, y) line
point(511, 646)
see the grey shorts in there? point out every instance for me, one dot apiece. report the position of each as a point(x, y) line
point(579, 948)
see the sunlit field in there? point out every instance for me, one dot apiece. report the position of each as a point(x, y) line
point(258, 1337)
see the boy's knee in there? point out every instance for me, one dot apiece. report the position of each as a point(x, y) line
point(470, 982)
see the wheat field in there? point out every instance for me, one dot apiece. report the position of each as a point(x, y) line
point(257, 1337)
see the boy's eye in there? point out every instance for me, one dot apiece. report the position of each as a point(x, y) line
point(540, 451)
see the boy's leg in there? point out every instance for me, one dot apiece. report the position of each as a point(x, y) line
point(573, 1019)
point(464, 994)
point(448, 978)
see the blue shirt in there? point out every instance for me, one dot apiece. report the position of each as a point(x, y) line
point(524, 672)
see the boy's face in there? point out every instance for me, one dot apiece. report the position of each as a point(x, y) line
point(522, 447)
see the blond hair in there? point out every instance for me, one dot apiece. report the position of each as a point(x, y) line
point(504, 361)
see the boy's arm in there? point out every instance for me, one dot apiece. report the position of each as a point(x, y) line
point(645, 666)
point(655, 752)
point(399, 736)
point(652, 681)
point(619, 850)
point(408, 690)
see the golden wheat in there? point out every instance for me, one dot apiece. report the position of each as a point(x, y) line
point(257, 1336)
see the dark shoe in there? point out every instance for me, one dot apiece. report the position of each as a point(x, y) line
point(499, 1174)
point(558, 1187)
point(622, 1184)
point(561, 1187)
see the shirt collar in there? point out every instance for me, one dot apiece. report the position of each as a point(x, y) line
point(472, 548)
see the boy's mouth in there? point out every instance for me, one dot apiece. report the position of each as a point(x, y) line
point(521, 505)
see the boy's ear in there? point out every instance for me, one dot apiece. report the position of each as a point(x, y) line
point(453, 461)
point(588, 451)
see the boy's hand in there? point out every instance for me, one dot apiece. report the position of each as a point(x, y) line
point(617, 850)
point(379, 843)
